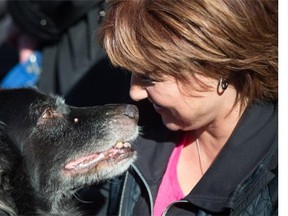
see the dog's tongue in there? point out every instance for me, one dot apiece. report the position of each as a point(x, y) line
point(84, 162)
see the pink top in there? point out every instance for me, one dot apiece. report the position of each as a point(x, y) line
point(169, 190)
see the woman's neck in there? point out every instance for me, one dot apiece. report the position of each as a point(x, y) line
point(203, 146)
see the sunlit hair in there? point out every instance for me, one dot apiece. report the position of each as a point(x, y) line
point(232, 39)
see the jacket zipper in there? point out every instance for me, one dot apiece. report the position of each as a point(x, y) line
point(122, 194)
point(124, 189)
point(147, 187)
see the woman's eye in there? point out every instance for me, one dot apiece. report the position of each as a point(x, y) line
point(146, 79)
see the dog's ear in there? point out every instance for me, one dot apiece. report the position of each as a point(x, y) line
point(7, 163)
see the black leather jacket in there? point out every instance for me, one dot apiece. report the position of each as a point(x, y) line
point(241, 181)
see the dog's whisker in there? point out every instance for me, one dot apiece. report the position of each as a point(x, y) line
point(113, 180)
point(76, 195)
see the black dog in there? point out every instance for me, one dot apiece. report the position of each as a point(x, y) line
point(49, 150)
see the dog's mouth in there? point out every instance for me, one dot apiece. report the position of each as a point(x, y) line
point(117, 153)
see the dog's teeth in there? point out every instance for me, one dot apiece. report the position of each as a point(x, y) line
point(119, 145)
point(127, 145)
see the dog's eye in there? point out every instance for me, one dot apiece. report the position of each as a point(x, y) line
point(47, 114)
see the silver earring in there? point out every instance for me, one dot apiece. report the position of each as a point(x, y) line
point(223, 83)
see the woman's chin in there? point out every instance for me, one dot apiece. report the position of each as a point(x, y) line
point(171, 125)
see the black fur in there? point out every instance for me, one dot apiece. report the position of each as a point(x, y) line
point(39, 137)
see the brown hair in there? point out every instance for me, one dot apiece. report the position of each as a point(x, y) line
point(232, 39)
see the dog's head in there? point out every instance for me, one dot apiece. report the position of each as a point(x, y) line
point(62, 147)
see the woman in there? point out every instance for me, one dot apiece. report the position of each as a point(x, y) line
point(209, 68)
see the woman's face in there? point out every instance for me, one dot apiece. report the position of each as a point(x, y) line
point(181, 108)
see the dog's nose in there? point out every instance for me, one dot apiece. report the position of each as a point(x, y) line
point(131, 111)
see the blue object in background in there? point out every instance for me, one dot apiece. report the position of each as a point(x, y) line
point(24, 74)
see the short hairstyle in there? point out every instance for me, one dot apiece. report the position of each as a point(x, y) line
point(232, 39)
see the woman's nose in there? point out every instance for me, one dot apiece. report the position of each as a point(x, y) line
point(137, 91)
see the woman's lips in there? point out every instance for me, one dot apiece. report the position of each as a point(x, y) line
point(157, 108)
